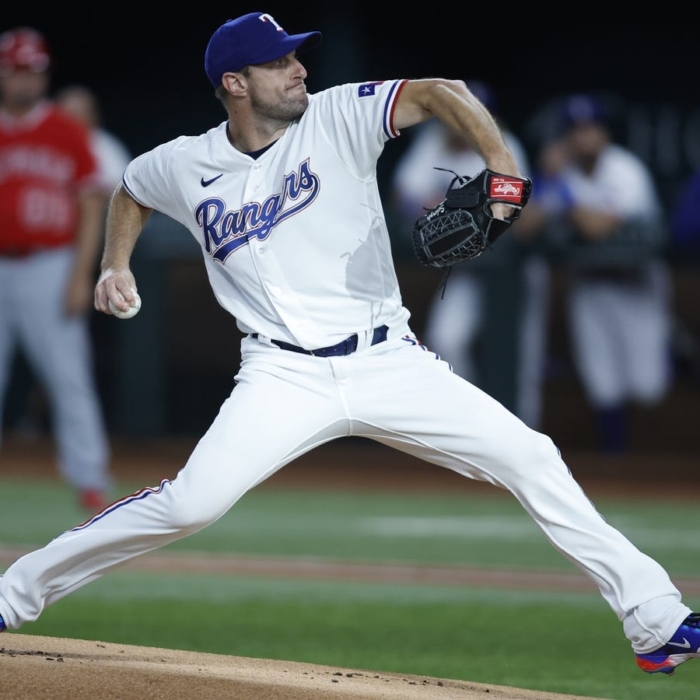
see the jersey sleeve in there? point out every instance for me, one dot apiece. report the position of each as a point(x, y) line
point(358, 119)
point(148, 180)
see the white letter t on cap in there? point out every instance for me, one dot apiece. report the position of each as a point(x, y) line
point(267, 18)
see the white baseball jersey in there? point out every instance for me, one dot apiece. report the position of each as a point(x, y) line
point(287, 248)
point(620, 184)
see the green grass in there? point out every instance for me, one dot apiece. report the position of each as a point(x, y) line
point(485, 530)
point(565, 643)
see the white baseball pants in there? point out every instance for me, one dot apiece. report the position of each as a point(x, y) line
point(397, 393)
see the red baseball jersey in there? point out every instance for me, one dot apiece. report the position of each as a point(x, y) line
point(45, 161)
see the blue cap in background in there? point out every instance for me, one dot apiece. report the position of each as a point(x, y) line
point(584, 109)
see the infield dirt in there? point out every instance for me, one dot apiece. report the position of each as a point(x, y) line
point(74, 669)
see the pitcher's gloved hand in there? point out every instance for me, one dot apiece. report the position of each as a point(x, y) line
point(463, 225)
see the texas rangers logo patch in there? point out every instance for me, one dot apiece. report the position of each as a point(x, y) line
point(368, 89)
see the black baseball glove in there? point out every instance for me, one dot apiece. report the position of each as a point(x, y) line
point(462, 226)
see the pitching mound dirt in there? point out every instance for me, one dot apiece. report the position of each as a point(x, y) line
point(75, 669)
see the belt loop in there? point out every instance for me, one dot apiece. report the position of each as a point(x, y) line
point(364, 339)
point(263, 339)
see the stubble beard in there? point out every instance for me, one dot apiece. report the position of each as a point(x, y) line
point(281, 111)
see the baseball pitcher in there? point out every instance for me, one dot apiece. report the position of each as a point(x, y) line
point(282, 198)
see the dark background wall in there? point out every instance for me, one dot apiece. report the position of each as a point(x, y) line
point(147, 64)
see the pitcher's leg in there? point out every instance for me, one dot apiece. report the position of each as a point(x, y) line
point(442, 419)
point(263, 425)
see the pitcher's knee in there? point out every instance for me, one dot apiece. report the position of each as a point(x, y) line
point(533, 454)
point(189, 520)
point(188, 514)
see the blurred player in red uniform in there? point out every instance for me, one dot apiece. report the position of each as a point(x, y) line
point(51, 216)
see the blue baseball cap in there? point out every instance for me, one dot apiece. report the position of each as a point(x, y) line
point(584, 109)
point(249, 40)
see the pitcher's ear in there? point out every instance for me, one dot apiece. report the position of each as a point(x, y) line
point(234, 83)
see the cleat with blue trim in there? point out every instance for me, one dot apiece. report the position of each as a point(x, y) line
point(683, 646)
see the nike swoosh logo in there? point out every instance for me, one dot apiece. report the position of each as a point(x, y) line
point(206, 183)
point(685, 645)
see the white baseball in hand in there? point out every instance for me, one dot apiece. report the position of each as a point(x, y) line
point(131, 311)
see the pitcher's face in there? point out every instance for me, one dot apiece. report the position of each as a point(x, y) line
point(277, 89)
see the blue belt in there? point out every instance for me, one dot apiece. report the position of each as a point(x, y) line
point(344, 347)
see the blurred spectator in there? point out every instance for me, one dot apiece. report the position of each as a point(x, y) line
point(51, 218)
point(455, 318)
point(550, 196)
point(112, 156)
point(600, 204)
point(112, 153)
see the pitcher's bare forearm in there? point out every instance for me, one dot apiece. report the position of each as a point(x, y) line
point(125, 221)
point(455, 105)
